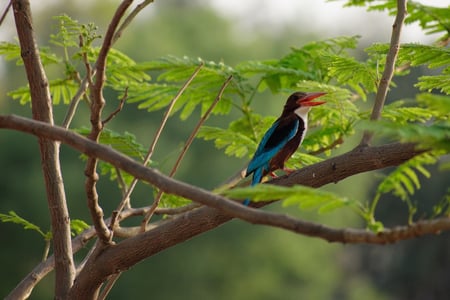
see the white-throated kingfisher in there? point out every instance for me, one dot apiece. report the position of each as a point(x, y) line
point(283, 137)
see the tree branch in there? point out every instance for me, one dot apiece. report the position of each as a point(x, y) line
point(130, 18)
point(41, 105)
point(98, 102)
point(389, 67)
point(187, 225)
point(5, 12)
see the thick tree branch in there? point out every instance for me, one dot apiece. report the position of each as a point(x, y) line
point(41, 103)
point(389, 67)
point(202, 219)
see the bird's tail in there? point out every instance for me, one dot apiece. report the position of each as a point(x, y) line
point(257, 176)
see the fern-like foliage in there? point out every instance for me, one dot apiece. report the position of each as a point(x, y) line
point(62, 90)
point(431, 19)
point(309, 62)
point(433, 57)
point(327, 65)
point(404, 181)
point(13, 217)
point(77, 226)
point(173, 72)
point(125, 143)
point(301, 196)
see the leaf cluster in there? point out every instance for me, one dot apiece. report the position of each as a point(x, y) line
point(328, 65)
point(431, 19)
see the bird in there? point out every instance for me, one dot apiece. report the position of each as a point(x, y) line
point(283, 138)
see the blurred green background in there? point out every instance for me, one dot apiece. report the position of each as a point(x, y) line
point(237, 260)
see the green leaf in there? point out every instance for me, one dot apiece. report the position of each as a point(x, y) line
point(201, 92)
point(300, 160)
point(78, 226)
point(12, 51)
point(360, 76)
point(435, 136)
point(439, 105)
point(12, 217)
point(301, 196)
point(173, 201)
point(399, 114)
point(308, 62)
point(235, 143)
point(69, 32)
point(62, 90)
point(431, 19)
point(403, 181)
point(436, 82)
point(241, 137)
point(125, 143)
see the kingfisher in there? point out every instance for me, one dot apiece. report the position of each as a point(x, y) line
point(283, 137)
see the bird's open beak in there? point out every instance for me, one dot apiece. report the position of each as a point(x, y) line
point(306, 101)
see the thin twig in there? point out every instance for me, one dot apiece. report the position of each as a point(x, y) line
point(75, 101)
point(189, 141)
point(25, 287)
point(126, 198)
point(130, 18)
point(5, 13)
point(389, 68)
point(46, 249)
point(118, 109)
point(109, 285)
point(87, 82)
point(333, 145)
point(98, 102)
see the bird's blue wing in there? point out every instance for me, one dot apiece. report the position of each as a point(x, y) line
point(273, 141)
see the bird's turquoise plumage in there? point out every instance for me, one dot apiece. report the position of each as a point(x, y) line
point(271, 144)
point(283, 137)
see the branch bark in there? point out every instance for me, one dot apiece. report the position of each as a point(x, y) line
point(41, 103)
point(114, 258)
point(98, 102)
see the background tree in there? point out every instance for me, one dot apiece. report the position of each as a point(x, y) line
point(82, 57)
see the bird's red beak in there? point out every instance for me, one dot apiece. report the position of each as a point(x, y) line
point(306, 101)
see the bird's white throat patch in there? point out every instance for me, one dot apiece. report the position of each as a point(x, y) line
point(302, 112)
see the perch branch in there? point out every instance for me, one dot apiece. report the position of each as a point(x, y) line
point(221, 210)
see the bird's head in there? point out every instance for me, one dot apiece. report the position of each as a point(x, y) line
point(300, 103)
